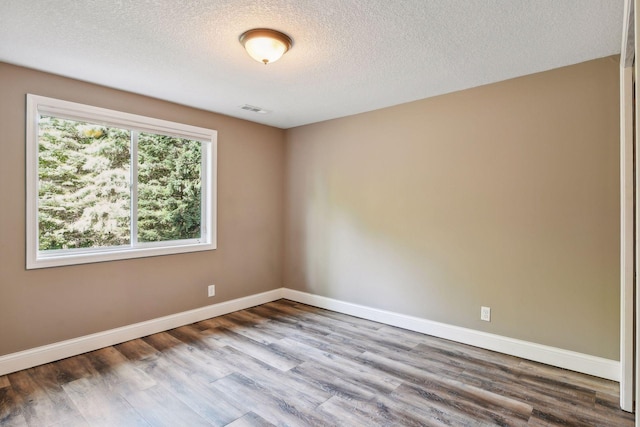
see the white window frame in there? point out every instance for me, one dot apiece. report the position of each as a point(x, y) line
point(40, 105)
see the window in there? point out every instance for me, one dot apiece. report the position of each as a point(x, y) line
point(105, 185)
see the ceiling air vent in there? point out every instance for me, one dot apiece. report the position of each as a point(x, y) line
point(254, 109)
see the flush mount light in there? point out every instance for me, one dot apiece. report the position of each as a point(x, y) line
point(265, 45)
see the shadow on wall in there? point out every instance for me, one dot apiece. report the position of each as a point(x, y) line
point(504, 195)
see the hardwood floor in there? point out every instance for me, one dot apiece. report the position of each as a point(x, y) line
point(285, 363)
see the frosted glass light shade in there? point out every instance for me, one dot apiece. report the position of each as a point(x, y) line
point(264, 45)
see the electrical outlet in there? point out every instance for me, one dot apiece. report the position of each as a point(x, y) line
point(485, 314)
point(211, 290)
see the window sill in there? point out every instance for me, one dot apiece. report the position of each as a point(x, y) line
point(112, 254)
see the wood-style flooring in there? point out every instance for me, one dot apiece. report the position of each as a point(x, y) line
point(289, 364)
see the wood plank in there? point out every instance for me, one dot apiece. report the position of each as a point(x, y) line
point(469, 355)
point(402, 370)
point(38, 404)
point(261, 400)
point(283, 384)
point(346, 330)
point(75, 421)
point(445, 399)
point(428, 361)
point(101, 406)
point(136, 350)
point(250, 419)
point(321, 341)
point(426, 414)
point(338, 317)
point(159, 408)
point(322, 378)
point(251, 330)
point(195, 337)
point(285, 363)
point(269, 354)
point(116, 372)
point(289, 321)
point(74, 368)
point(375, 412)
point(189, 358)
point(569, 377)
point(448, 388)
point(347, 368)
point(350, 412)
point(248, 316)
point(555, 397)
point(241, 318)
point(192, 391)
point(11, 408)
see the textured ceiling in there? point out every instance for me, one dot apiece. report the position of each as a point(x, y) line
point(349, 56)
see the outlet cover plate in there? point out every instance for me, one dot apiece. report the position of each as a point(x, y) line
point(485, 314)
point(211, 290)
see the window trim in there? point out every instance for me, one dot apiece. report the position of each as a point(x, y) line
point(40, 105)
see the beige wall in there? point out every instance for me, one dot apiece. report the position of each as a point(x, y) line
point(504, 195)
point(38, 307)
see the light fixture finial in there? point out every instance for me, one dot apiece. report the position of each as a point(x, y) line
point(265, 45)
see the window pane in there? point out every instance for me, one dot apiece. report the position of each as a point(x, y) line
point(169, 183)
point(83, 176)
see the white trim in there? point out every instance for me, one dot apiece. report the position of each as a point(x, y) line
point(636, 138)
point(133, 180)
point(49, 353)
point(31, 182)
point(76, 111)
point(39, 105)
point(627, 50)
point(627, 206)
point(627, 266)
point(579, 362)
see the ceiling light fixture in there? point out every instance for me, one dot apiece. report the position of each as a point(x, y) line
point(265, 45)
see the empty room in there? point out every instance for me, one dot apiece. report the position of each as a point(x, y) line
point(318, 213)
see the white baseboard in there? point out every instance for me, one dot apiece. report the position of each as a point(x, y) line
point(579, 362)
point(49, 353)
